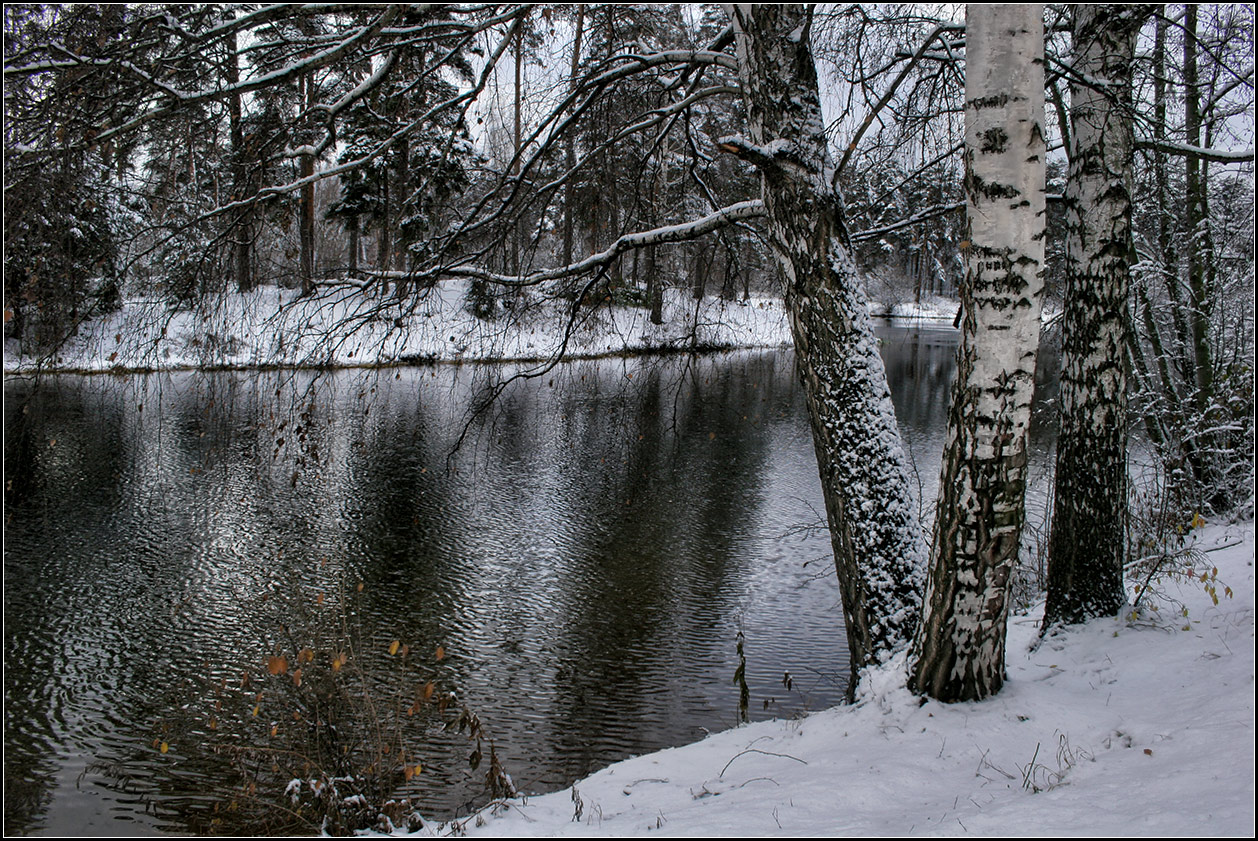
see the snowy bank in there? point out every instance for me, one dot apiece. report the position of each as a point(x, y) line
point(1139, 726)
point(344, 327)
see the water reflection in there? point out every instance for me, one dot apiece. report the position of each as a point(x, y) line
point(585, 559)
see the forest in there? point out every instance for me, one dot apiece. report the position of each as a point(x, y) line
point(1075, 175)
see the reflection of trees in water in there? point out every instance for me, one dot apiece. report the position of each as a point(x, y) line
point(655, 571)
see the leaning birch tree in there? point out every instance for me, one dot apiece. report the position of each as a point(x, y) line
point(864, 476)
point(959, 650)
point(1087, 540)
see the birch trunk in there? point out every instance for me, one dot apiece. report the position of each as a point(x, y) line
point(959, 650)
point(1087, 540)
point(864, 477)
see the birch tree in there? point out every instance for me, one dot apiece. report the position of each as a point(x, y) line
point(1087, 538)
point(959, 651)
point(864, 479)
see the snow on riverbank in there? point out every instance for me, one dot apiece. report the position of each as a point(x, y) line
point(344, 327)
point(1141, 727)
point(341, 326)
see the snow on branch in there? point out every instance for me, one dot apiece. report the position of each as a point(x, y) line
point(778, 156)
point(738, 212)
point(1201, 153)
point(932, 212)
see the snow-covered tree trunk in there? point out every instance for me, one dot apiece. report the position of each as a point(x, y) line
point(864, 477)
point(1087, 539)
point(959, 650)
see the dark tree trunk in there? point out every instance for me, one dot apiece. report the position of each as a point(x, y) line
point(570, 151)
point(1197, 250)
point(1087, 538)
point(654, 295)
point(351, 225)
point(730, 277)
point(702, 265)
point(242, 236)
point(384, 240)
point(306, 221)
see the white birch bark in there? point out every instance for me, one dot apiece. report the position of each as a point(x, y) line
point(873, 523)
point(959, 650)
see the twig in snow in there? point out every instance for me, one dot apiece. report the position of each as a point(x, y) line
point(757, 750)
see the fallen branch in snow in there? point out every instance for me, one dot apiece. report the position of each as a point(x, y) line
point(757, 750)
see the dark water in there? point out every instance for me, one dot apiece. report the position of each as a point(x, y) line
point(585, 560)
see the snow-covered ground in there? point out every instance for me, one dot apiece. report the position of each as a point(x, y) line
point(1138, 726)
point(343, 327)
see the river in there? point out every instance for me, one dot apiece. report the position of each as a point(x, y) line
point(577, 563)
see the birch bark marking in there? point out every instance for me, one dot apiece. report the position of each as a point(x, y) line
point(959, 650)
point(864, 476)
point(1087, 540)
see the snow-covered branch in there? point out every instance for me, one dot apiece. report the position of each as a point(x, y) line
point(1185, 150)
point(917, 218)
point(739, 212)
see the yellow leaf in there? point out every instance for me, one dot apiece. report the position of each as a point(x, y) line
point(213, 723)
point(165, 747)
point(256, 709)
point(393, 647)
point(1198, 521)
